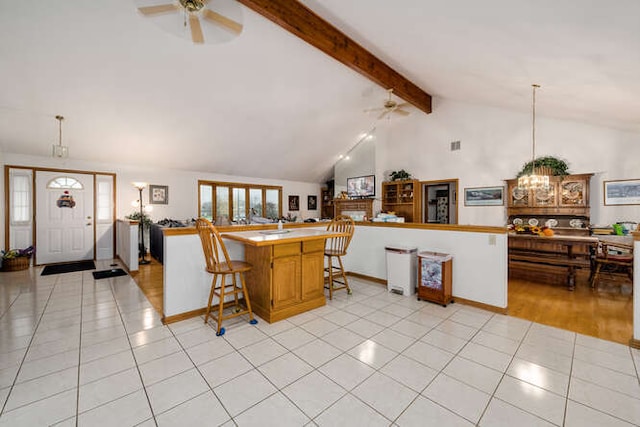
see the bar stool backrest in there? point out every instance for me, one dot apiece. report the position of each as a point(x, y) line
point(342, 224)
point(212, 245)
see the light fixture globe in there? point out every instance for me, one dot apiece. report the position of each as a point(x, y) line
point(58, 150)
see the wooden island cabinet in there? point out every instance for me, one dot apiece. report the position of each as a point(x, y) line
point(287, 277)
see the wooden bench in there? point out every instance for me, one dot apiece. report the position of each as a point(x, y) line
point(553, 254)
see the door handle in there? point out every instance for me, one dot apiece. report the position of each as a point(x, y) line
point(88, 223)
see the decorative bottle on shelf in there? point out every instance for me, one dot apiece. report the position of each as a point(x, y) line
point(279, 224)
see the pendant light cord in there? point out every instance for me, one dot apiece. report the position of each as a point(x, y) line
point(59, 119)
point(533, 130)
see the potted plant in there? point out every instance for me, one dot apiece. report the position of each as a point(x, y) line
point(146, 219)
point(547, 165)
point(17, 259)
point(400, 175)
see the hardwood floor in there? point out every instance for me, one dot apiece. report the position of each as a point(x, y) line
point(149, 280)
point(606, 313)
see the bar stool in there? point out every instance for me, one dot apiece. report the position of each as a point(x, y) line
point(212, 245)
point(335, 248)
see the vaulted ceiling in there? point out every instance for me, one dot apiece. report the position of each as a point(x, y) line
point(267, 104)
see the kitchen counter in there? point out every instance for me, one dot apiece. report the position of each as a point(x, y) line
point(278, 237)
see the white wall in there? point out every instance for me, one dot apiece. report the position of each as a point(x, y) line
point(496, 143)
point(183, 192)
point(361, 161)
point(479, 262)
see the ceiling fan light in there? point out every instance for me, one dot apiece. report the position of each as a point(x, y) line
point(192, 5)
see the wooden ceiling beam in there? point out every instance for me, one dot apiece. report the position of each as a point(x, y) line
point(301, 21)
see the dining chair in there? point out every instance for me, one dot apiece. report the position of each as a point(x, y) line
point(221, 267)
point(613, 257)
point(335, 249)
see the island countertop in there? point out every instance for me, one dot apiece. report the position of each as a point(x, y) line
point(275, 237)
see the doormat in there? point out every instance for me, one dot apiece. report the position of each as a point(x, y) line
point(68, 267)
point(104, 274)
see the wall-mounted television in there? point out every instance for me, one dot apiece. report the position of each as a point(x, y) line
point(361, 186)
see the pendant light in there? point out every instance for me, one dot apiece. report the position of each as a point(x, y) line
point(534, 180)
point(60, 151)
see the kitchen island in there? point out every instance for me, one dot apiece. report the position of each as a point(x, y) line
point(287, 275)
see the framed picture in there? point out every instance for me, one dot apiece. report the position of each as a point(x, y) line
point(623, 192)
point(312, 203)
point(158, 194)
point(294, 203)
point(484, 196)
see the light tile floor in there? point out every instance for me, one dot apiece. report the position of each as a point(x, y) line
point(74, 351)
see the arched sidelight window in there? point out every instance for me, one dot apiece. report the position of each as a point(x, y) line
point(64, 182)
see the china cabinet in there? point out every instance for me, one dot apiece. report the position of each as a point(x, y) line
point(564, 207)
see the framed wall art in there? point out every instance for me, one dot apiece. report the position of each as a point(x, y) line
point(484, 196)
point(312, 203)
point(158, 194)
point(623, 192)
point(294, 203)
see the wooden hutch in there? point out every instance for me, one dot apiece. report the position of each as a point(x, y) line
point(403, 198)
point(564, 207)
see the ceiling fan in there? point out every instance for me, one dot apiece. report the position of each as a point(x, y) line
point(390, 106)
point(193, 11)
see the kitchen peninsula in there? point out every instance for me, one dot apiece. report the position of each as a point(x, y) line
point(479, 260)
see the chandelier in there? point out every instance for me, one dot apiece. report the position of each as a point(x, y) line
point(535, 180)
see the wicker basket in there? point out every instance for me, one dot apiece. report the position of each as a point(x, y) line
point(16, 264)
point(544, 170)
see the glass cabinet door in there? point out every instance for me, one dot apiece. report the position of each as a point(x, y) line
point(573, 193)
point(545, 197)
point(518, 197)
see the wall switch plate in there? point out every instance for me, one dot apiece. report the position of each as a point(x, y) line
point(492, 239)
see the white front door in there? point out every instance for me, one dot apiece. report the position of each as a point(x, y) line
point(64, 217)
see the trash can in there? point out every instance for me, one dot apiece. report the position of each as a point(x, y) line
point(401, 269)
point(434, 277)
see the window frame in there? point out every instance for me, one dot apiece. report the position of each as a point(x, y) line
point(213, 185)
point(27, 176)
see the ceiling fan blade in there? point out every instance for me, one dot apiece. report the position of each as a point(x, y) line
point(384, 113)
point(196, 29)
point(373, 110)
point(152, 10)
point(401, 112)
point(223, 21)
point(404, 104)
